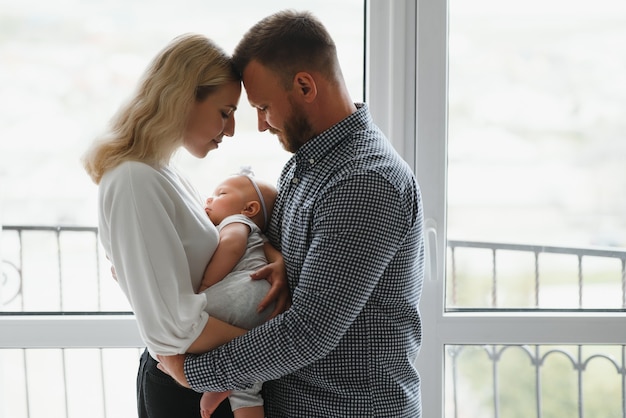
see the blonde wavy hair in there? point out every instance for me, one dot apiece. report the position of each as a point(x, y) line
point(150, 126)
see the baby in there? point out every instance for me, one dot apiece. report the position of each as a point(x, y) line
point(240, 208)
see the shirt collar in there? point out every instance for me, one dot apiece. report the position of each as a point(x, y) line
point(319, 146)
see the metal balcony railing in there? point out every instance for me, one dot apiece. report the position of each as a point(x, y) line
point(569, 259)
point(56, 269)
point(585, 372)
point(62, 271)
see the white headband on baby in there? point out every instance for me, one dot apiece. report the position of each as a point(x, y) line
point(247, 171)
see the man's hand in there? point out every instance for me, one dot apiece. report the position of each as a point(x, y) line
point(276, 275)
point(175, 367)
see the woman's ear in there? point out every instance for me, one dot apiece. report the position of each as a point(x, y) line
point(305, 86)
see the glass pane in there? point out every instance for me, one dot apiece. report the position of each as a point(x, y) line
point(534, 381)
point(537, 98)
point(66, 67)
point(52, 269)
point(38, 383)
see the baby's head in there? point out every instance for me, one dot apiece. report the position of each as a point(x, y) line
point(241, 194)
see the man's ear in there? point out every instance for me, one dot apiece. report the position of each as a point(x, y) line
point(251, 209)
point(305, 86)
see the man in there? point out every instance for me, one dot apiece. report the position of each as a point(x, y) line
point(348, 220)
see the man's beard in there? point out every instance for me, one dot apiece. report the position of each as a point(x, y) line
point(297, 130)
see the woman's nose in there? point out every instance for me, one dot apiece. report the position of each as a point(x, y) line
point(229, 128)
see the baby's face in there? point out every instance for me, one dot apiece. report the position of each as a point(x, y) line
point(229, 198)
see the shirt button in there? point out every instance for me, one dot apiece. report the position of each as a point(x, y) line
point(311, 161)
point(295, 180)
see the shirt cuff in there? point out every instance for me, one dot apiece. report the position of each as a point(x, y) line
point(192, 374)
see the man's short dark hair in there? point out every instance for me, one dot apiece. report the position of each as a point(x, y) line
point(288, 42)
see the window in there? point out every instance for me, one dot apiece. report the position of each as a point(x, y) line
point(519, 137)
point(66, 67)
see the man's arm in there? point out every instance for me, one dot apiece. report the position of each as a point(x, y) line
point(343, 262)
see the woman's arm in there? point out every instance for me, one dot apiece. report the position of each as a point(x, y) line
point(232, 246)
point(214, 334)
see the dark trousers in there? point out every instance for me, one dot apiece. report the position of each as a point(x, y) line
point(159, 396)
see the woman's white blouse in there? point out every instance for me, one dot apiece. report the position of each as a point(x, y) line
point(154, 230)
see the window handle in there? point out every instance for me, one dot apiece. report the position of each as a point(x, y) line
point(431, 256)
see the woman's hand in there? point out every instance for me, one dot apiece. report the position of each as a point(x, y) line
point(276, 275)
point(113, 273)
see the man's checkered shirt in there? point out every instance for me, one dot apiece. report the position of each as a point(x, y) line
point(348, 221)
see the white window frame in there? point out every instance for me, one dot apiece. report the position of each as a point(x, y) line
point(407, 92)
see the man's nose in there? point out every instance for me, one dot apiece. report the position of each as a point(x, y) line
point(262, 121)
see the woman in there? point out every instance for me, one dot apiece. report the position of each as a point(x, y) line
point(152, 222)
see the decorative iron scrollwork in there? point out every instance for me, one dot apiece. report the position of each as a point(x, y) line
point(10, 283)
